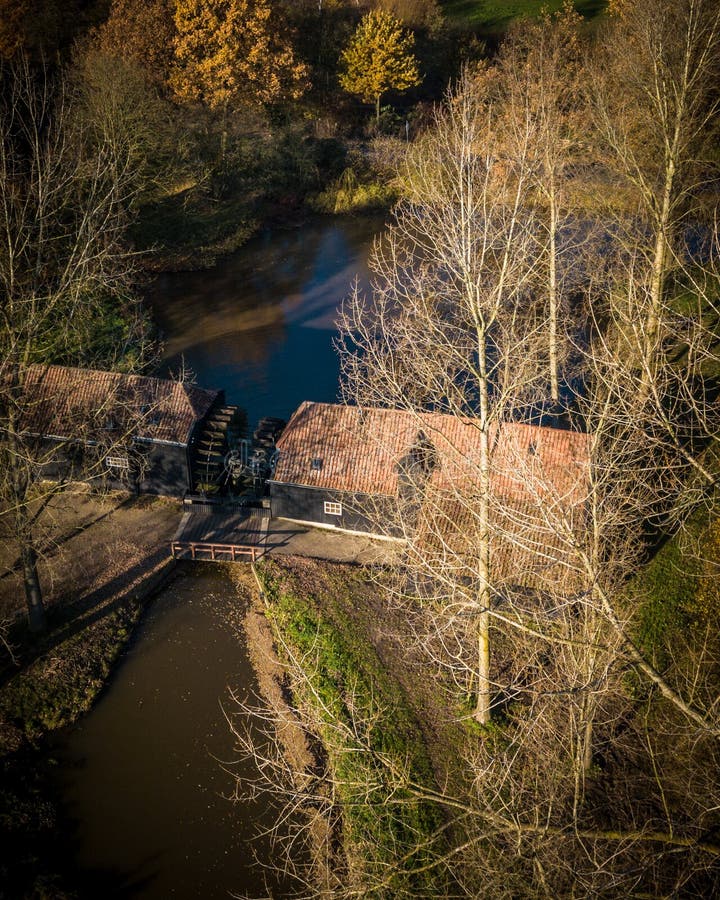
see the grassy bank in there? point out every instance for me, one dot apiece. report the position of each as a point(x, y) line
point(386, 836)
point(54, 691)
point(186, 230)
point(63, 683)
point(267, 175)
point(329, 627)
point(679, 592)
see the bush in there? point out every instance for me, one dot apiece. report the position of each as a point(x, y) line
point(347, 194)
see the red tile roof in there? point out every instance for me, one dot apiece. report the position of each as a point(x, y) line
point(538, 484)
point(65, 402)
point(360, 451)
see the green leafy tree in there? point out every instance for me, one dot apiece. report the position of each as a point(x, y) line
point(378, 59)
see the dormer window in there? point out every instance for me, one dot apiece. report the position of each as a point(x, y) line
point(423, 454)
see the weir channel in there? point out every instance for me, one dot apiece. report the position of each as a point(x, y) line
point(145, 776)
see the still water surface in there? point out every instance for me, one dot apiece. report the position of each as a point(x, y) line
point(142, 776)
point(261, 324)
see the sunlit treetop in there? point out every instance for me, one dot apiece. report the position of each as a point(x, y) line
point(229, 52)
point(379, 58)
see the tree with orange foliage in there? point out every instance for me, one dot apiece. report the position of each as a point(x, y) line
point(231, 53)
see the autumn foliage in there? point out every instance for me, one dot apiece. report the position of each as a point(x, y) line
point(378, 59)
point(142, 32)
point(231, 52)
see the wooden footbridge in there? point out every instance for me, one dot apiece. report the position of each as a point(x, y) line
point(221, 532)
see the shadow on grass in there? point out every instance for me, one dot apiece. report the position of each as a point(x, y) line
point(65, 621)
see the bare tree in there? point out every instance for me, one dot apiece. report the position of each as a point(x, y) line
point(652, 353)
point(446, 327)
point(63, 206)
point(524, 570)
point(540, 82)
point(565, 621)
point(656, 107)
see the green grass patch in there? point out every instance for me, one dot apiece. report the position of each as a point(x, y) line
point(679, 590)
point(496, 15)
point(374, 745)
point(63, 684)
point(349, 194)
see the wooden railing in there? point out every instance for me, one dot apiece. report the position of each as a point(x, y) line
point(218, 552)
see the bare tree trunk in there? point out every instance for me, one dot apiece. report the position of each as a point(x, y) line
point(663, 58)
point(37, 619)
point(223, 133)
point(553, 295)
point(19, 483)
point(483, 702)
point(658, 276)
point(482, 707)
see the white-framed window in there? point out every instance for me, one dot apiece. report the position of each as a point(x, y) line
point(117, 462)
point(332, 509)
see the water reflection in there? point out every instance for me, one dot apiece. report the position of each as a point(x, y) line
point(260, 325)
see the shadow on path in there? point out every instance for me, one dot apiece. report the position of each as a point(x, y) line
point(67, 620)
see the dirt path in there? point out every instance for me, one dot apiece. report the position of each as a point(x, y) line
point(96, 546)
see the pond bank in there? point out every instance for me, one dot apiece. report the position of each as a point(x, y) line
point(205, 233)
point(341, 685)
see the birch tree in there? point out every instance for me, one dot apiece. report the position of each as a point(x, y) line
point(656, 108)
point(565, 642)
point(540, 74)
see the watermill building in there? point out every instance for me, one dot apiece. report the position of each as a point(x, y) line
point(150, 435)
